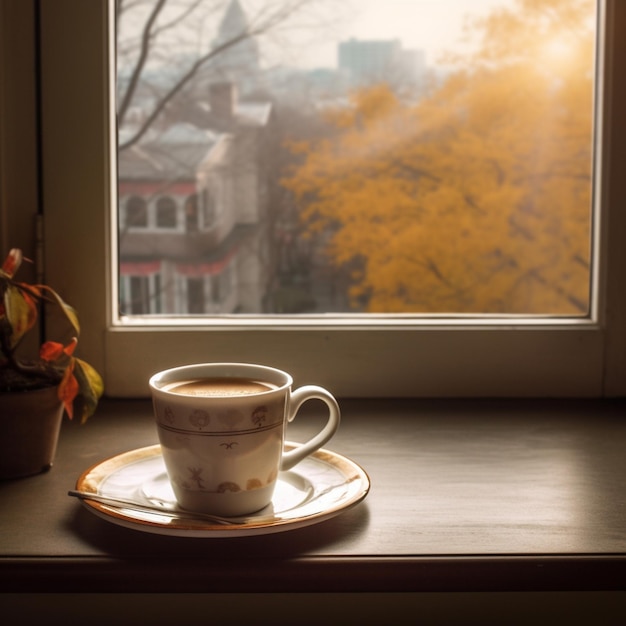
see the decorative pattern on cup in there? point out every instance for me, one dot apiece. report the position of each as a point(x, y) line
point(199, 418)
point(232, 420)
point(195, 482)
point(169, 416)
point(195, 478)
point(259, 416)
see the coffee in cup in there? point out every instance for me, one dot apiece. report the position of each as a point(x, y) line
point(223, 387)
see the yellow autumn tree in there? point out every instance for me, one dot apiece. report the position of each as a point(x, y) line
point(476, 198)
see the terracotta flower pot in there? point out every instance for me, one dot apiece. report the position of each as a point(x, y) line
point(29, 431)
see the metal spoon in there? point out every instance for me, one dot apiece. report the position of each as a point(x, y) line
point(120, 503)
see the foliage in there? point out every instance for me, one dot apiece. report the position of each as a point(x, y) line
point(78, 382)
point(475, 198)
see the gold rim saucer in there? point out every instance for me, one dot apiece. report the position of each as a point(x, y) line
point(320, 487)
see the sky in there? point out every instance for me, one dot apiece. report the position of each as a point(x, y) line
point(430, 25)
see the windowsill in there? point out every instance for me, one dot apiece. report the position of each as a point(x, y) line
point(496, 495)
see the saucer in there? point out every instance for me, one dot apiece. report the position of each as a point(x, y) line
point(319, 487)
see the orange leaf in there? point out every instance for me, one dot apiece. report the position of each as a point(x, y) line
point(32, 310)
point(51, 350)
point(12, 262)
point(71, 346)
point(68, 390)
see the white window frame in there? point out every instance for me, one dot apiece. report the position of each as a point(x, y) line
point(372, 356)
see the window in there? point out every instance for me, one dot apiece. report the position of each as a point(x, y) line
point(420, 186)
point(222, 284)
point(140, 288)
point(139, 294)
point(166, 213)
point(195, 296)
point(376, 356)
point(136, 213)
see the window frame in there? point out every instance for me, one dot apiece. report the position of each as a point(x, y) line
point(370, 356)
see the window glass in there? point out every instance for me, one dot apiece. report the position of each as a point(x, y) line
point(139, 294)
point(195, 295)
point(401, 157)
point(166, 213)
point(354, 355)
point(136, 212)
point(140, 287)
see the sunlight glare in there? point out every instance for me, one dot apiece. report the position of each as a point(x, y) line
point(557, 51)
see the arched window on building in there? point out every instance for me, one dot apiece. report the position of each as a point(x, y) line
point(136, 213)
point(166, 213)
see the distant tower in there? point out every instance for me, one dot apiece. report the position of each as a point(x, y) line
point(369, 61)
point(373, 61)
point(239, 63)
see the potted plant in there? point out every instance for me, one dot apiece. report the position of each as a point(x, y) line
point(40, 378)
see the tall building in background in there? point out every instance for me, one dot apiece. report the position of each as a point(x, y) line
point(380, 60)
point(239, 61)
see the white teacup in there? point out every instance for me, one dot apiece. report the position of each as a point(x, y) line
point(222, 428)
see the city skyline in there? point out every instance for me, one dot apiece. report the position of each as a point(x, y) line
point(432, 26)
point(311, 41)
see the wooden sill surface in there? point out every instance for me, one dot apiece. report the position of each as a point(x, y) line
point(466, 495)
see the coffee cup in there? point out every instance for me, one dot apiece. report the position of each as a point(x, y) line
point(222, 429)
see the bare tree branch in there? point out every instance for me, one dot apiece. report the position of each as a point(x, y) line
point(267, 19)
point(179, 18)
point(141, 59)
point(175, 89)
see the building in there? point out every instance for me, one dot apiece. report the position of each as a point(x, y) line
point(237, 56)
point(381, 60)
point(240, 58)
point(193, 220)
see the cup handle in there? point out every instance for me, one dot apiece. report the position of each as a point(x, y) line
point(299, 397)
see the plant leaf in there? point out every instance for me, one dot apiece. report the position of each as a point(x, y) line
point(70, 347)
point(67, 310)
point(51, 350)
point(91, 387)
point(20, 311)
point(68, 390)
point(12, 263)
